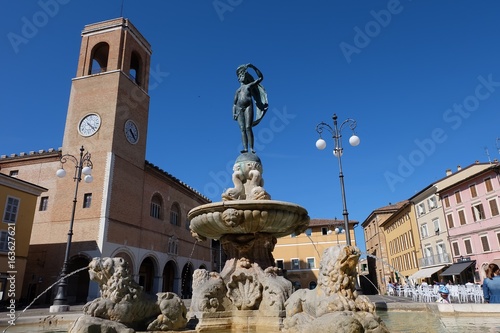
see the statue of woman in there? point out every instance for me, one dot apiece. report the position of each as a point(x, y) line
point(243, 104)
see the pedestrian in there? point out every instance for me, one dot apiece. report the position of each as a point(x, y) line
point(491, 284)
point(443, 295)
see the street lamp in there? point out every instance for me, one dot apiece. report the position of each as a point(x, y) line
point(337, 151)
point(337, 230)
point(83, 165)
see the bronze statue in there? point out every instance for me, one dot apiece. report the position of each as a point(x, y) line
point(243, 104)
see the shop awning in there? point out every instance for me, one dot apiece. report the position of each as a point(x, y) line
point(457, 268)
point(425, 272)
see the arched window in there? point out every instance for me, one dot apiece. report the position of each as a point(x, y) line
point(175, 214)
point(99, 61)
point(135, 68)
point(156, 207)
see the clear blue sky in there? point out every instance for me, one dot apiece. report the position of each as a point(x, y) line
point(422, 79)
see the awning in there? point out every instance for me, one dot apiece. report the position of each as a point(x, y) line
point(457, 268)
point(425, 272)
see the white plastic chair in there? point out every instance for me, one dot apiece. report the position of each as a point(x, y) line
point(454, 294)
point(462, 292)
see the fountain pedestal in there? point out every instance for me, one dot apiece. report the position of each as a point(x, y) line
point(250, 292)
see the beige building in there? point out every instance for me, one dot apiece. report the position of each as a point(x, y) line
point(18, 201)
point(379, 267)
point(299, 255)
point(133, 208)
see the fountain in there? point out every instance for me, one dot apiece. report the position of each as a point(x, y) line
point(250, 293)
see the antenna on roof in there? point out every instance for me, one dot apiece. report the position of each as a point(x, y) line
point(487, 154)
point(498, 146)
point(121, 9)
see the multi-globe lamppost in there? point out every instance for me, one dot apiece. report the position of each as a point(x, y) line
point(83, 166)
point(336, 132)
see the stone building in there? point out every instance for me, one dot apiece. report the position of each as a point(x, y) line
point(133, 208)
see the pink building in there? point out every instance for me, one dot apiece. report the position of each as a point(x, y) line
point(471, 210)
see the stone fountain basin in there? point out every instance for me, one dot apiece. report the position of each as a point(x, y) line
point(278, 218)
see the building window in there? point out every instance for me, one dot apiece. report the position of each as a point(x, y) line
point(446, 201)
point(14, 173)
point(449, 217)
point(308, 232)
point(11, 209)
point(485, 243)
point(458, 197)
point(3, 241)
point(295, 263)
point(493, 207)
point(498, 238)
point(432, 202)
point(324, 231)
point(44, 202)
point(468, 246)
point(488, 184)
point(155, 209)
point(425, 232)
point(473, 191)
point(311, 263)
point(421, 209)
point(188, 223)
point(436, 226)
point(87, 200)
point(99, 62)
point(280, 263)
point(441, 252)
point(461, 217)
point(175, 213)
point(478, 212)
point(456, 249)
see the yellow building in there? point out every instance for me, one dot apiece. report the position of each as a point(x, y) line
point(17, 204)
point(402, 242)
point(299, 255)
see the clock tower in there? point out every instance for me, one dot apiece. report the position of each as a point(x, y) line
point(109, 101)
point(108, 115)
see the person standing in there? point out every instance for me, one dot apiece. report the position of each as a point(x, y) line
point(491, 284)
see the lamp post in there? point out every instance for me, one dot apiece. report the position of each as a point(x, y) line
point(336, 132)
point(339, 231)
point(83, 165)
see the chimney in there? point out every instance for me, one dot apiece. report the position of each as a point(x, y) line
point(459, 168)
point(448, 172)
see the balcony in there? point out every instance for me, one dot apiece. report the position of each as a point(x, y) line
point(443, 258)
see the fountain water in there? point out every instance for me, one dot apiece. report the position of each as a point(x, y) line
point(12, 322)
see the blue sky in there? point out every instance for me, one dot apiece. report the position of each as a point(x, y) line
point(421, 78)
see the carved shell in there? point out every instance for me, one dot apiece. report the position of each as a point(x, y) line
point(245, 292)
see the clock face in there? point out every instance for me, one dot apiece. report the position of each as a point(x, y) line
point(131, 132)
point(89, 124)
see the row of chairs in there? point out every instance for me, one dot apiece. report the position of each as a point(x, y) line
point(458, 293)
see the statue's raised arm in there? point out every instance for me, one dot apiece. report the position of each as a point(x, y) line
point(250, 90)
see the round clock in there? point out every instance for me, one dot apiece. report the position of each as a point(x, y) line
point(131, 132)
point(89, 124)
